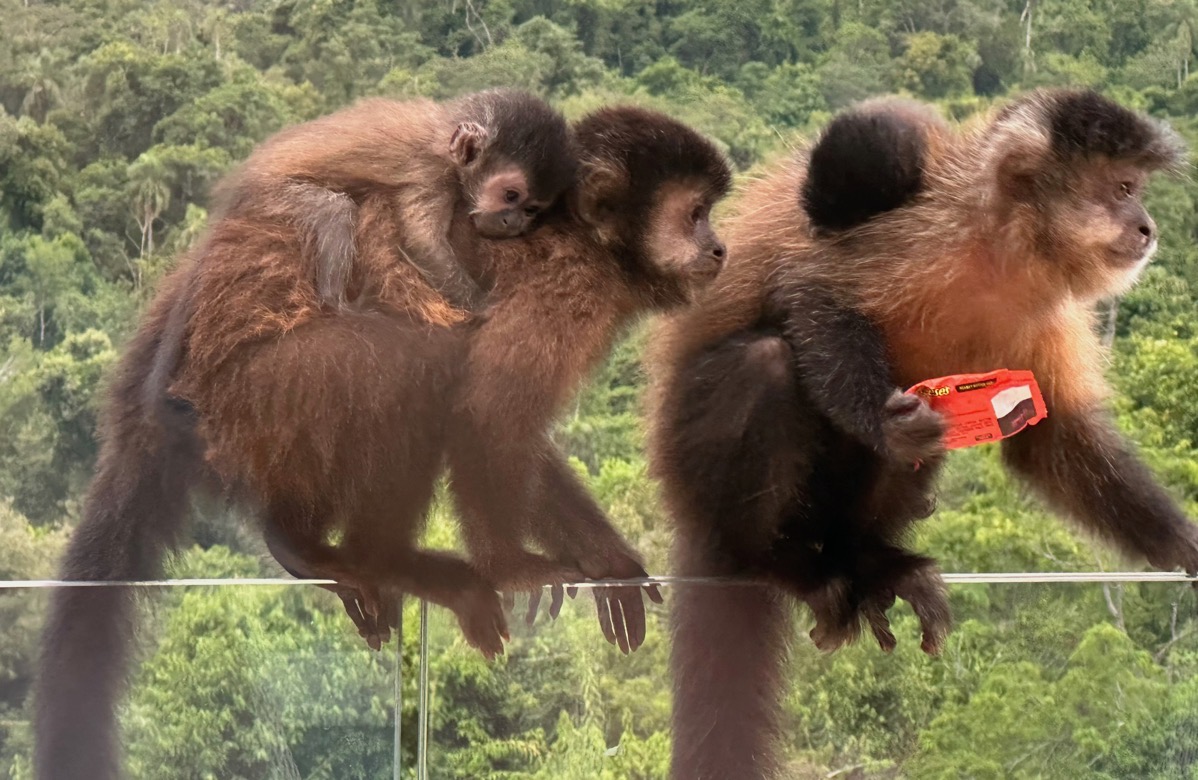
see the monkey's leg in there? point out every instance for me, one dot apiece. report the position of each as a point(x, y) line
point(572, 528)
point(844, 368)
point(1082, 466)
point(388, 518)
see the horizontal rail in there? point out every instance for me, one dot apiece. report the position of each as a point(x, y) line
point(953, 578)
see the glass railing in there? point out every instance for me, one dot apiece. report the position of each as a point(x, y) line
point(1044, 675)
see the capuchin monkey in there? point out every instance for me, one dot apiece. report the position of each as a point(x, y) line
point(897, 250)
point(338, 422)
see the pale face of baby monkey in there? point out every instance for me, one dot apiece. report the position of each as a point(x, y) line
point(513, 162)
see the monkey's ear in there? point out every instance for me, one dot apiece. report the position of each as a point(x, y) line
point(467, 142)
point(598, 196)
point(1018, 151)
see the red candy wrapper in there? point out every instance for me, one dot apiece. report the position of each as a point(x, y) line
point(980, 408)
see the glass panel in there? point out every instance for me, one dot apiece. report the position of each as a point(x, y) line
point(1037, 680)
point(237, 681)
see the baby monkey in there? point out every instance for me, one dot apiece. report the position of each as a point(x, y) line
point(503, 155)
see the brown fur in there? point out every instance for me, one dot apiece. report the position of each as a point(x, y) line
point(425, 158)
point(331, 422)
point(996, 262)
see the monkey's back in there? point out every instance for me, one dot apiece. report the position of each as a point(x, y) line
point(284, 386)
point(375, 142)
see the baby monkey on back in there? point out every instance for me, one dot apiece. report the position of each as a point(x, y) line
point(503, 155)
point(897, 250)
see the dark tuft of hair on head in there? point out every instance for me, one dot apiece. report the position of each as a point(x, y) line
point(1083, 123)
point(865, 163)
point(652, 148)
point(526, 130)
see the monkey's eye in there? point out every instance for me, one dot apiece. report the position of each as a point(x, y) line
point(531, 211)
point(1125, 189)
point(511, 196)
point(697, 215)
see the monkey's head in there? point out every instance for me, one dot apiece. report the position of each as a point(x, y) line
point(514, 156)
point(646, 186)
point(1066, 172)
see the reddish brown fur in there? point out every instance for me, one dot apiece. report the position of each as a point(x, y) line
point(339, 421)
point(425, 159)
point(996, 263)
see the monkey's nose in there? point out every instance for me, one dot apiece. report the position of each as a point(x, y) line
point(718, 251)
point(1148, 231)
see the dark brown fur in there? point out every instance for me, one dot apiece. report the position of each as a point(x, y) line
point(992, 259)
point(330, 421)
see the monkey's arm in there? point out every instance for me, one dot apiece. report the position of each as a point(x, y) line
point(510, 482)
point(843, 367)
point(571, 528)
point(428, 216)
point(1081, 465)
point(519, 372)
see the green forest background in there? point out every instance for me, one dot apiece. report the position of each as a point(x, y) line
point(117, 115)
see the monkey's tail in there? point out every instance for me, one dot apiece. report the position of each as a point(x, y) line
point(132, 518)
point(728, 657)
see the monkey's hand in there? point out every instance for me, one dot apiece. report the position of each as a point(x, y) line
point(620, 608)
point(913, 432)
point(373, 612)
point(520, 570)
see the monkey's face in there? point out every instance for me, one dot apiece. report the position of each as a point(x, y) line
point(502, 202)
point(1106, 234)
point(679, 239)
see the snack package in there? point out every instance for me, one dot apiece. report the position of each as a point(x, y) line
point(980, 408)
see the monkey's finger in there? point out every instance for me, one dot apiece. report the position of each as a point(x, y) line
point(634, 615)
point(555, 606)
point(534, 601)
point(880, 626)
point(572, 591)
point(619, 624)
point(604, 618)
point(654, 594)
point(354, 610)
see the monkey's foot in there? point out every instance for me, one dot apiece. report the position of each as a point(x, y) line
point(372, 614)
point(924, 590)
point(837, 622)
point(480, 614)
point(1179, 551)
point(912, 430)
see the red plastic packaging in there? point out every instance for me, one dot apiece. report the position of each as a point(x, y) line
point(981, 408)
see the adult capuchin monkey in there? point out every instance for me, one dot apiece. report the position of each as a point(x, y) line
point(382, 201)
point(340, 421)
point(897, 250)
